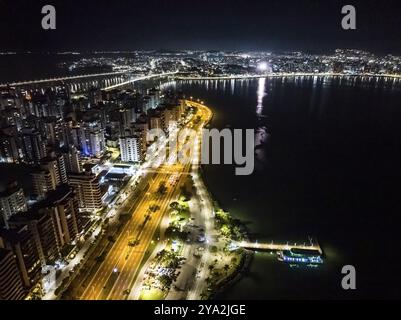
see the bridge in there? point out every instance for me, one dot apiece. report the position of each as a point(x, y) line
point(255, 246)
point(140, 79)
point(62, 79)
point(111, 80)
point(106, 81)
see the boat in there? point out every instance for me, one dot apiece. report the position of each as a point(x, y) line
point(300, 256)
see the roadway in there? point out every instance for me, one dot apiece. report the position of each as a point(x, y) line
point(223, 77)
point(85, 76)
point(116, 274)
point(140, 79)
point(201, 209)
point(206, 215)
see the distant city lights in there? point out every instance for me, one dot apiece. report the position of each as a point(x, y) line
point(263, 66)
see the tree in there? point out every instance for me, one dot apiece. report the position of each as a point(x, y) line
point(175, 205)
point(165, 280)
point(225, 230)
point(162, 188)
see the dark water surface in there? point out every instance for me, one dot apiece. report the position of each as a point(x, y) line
point(328, 166)
point(23, 67)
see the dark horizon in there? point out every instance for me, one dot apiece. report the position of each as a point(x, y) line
point(236, 25)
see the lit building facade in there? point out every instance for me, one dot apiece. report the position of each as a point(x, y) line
point(87, 188)
point(131, 149)
point(12, 201)
point(11, 287)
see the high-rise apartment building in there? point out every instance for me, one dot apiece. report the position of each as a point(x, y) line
point(48, 175)
point(11, 287)
point(12, 201)
point(33, 146)
point(131, 148)
point(87, 188)
point(40, 224)
point(21, 242)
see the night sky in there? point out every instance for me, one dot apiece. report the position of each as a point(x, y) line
point(313, 26)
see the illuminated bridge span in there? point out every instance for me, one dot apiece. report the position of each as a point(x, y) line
point(82, 83)
point(139, 79)
point(61, 79)
point(278, 247)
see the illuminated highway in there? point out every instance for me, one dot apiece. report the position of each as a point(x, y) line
point(86, 76)
point(180, 77)
point(116, 274)
point(83, 76)
point(202, 215)
point(140, 79)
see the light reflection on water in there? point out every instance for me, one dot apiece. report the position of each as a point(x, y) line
point(324, 162)
point(261, 93)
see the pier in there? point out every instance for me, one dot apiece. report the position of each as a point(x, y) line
point(256, 246)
